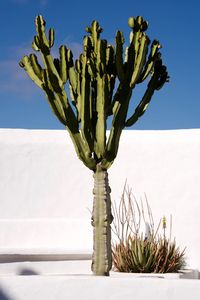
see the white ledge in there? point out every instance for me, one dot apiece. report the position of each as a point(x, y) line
point(86, 287)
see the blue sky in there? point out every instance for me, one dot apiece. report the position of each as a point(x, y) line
point(176, 24)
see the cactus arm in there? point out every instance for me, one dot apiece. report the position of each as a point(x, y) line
point(140, 60)
point(150, 62)
point(102, 99)
point(78, 104)
point(119, 40)
point(101, 220)
point(44, 46)
point(94, 31)
point(118, 124)
point(85, 105)
point(82, 150)
point(51, 37)
point(71, 119)
point(110, 60)
point(159, 77)
point(61, 101)
point(142, 106)
point(140, 41)
point(25, 63)
point(55, 104)
point(63, 64)
point(85, 95)
point(36, 66)
point(75, 78)
point(111, 71)
point(102, 96)
point(53, 75)
point(71, 71)
point(130, 59)
point(41, 40)
point(56, 62)
point(101, 56)
point(110, 103)
point(74, 98)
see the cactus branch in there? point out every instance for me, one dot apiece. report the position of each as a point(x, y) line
point(119, 56)
point(158, 79)
point(30, 70)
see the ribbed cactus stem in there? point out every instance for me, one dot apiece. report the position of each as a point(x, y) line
point(101, 220)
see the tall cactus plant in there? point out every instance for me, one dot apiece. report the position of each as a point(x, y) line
point(100, 83)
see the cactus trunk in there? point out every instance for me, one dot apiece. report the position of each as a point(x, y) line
point(101, 221)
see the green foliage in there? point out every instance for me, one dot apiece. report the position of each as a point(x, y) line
point(92, 80)
point(138, 253)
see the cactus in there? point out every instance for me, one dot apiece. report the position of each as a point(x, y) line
point(93, 98)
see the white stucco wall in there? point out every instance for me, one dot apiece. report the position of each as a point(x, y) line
point(98, 288)
point(44, 188)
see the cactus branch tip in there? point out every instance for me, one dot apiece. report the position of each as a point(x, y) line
point(137, 23)
point(95, 27)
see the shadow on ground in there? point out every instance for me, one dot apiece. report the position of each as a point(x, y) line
point(4, 296)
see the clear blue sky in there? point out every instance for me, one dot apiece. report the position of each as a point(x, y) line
point(175, 23)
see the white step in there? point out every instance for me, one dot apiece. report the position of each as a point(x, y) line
point(88, 287)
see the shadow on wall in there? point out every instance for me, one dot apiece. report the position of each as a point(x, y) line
point(3, 295)
point(25, 272)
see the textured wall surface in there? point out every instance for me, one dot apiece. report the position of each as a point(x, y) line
point(46, 192)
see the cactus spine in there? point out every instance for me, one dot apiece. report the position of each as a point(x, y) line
point(91, 80)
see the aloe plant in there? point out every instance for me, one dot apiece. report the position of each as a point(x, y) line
point(92, 81)
point(153, 255)
point(135, 252)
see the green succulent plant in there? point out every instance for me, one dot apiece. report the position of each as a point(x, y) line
point(134, 252)
point(139, 255)
point(100, 83)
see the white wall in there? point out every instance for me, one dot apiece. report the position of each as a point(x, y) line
point(98, 288)
point(43, 185)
